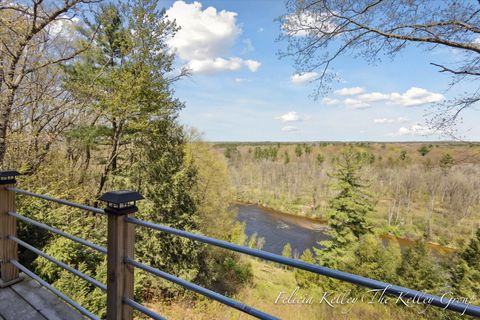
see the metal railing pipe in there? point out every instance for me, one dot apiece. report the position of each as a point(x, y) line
point(203, 291)
point(59, 232)
point(64, 202)
point(137, 306)
point(61, 264)
point(401, 292)
point(55, 291)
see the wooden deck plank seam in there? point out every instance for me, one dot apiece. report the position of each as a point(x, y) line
point(28, 302)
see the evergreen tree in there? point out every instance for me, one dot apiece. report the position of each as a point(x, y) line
point(348, 210)
point(287, 250)
point(424, 150)
point(298, 151)
point(306, 279)
point(419, 271)
point(446, 162)
point(465, 272)
point(372, 259)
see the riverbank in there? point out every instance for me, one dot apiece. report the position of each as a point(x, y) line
point(265, 223)
point(312, 223)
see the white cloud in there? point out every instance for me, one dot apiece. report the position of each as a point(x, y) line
point(355, 103)
point(415, 96)
point(207, 66)
point(206, 37)
point(386, 120)
point(204, 33)
point(412, 97)
point(414, 130)
point(290, 129)
point(292, 116)
point(374, 97)
point(383, 120)
point(349, 91)
point(239, 80)
point(304, 77)
point(252, 65)
point(330, 101)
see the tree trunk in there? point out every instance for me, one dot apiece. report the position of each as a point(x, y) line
point(5, 110)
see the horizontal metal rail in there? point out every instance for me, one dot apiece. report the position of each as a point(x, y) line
point(55, 291)
point(63, 265)
point(203, 291)
point(65, 202)
point(401, 292)
point(137, 306)
point(59, 232)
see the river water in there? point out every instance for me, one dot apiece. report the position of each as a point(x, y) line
point(302, 233)
point(278, 229)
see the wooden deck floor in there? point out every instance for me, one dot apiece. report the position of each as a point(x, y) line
point(28, 300)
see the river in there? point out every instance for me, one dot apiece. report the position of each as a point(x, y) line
point(278, 228)
point(302, 233)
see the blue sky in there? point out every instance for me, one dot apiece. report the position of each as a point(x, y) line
point(240, 90)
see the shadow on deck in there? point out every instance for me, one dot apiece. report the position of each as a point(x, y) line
point(28, 300)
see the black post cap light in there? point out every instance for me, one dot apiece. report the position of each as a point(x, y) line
point(8, 176)
point(121, 202)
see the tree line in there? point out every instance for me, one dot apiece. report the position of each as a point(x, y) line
point(88, 106)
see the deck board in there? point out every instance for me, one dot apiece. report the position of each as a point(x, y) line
point(28, 300)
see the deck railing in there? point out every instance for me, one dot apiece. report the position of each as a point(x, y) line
point(121, 222)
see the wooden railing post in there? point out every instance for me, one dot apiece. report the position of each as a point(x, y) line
point(8, 226)
point(121, 244)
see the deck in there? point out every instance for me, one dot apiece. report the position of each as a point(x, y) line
point(28, 300)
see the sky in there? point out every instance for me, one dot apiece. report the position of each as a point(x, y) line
point(240, 90)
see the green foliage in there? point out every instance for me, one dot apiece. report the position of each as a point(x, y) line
point(287, 250)
point(424, 150)
point(306, 279)
point(252, 241)
point(320, 159)
point(419, 271)
point(403, 155)
point(465, 272)
point(267, 153)
point(231, 152)
point(372, 259)
point(286, 158)
point(298, 151)
point(446, 162)
point(347, 212)
point(308, 149)
point(349, 209)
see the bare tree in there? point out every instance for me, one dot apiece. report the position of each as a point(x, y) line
point(29, 34)
point(320, 31)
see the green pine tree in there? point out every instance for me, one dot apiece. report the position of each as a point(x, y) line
point(298, 151)
point(287, 250)
point(419, 270)
point(306, 279)
point(465, 272)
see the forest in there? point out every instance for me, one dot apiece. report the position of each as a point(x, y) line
point(420, 189)
point(88, 105)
